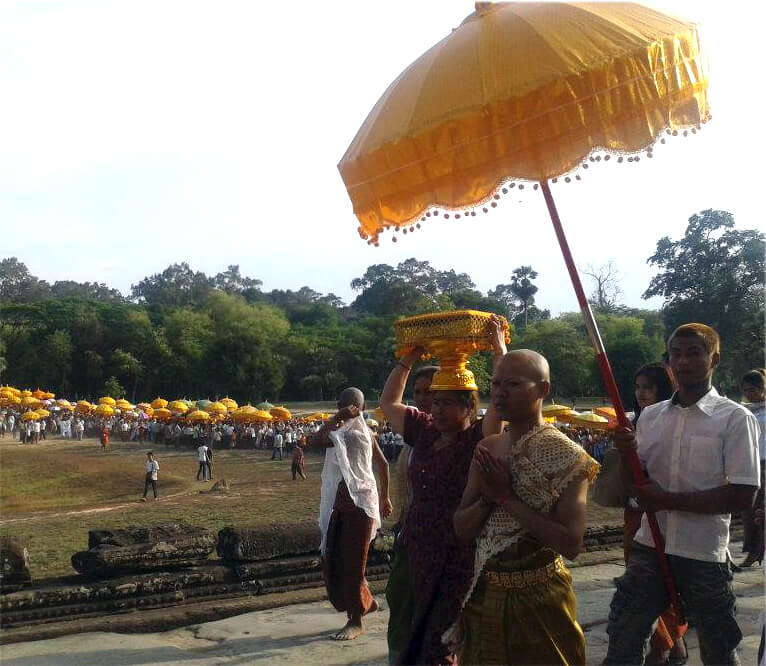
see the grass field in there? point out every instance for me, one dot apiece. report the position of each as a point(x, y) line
point(52, 493)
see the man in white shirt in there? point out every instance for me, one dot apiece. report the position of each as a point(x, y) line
point(700, 451)
point(278, 442)
point(202, 455)
point(150, 479)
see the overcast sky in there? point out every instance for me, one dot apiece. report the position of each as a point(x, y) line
point(136, 134)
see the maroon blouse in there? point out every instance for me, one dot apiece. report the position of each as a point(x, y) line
point(441, 566)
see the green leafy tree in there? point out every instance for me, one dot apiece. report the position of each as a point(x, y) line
point(89, 291)
point(126, 367)
point(177, 286)
point(18, 285)
point(112, 387)
point(570, 357)
point(714, 275)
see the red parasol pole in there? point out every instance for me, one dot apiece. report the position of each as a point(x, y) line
point(614, 394)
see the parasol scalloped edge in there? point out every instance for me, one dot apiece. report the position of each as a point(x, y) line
point(506, 184)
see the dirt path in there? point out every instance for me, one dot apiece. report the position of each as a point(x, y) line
point(80, 512)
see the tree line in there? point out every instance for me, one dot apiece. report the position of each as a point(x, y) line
point(184, 333)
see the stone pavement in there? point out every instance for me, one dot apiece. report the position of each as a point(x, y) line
point(301, 634)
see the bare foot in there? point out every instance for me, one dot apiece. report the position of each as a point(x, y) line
point(351, 631)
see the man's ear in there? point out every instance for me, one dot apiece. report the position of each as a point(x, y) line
point(715, 360)
point(544, 388)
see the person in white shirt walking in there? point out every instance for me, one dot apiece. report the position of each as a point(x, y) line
point(151, 468)
point(202, 455)
point(700, 451)
point(278, 444)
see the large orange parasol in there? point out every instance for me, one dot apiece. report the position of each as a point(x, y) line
point(527, 92)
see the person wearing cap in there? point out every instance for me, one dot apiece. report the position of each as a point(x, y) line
point(700, 451)
point(443, 443)
point(524, 507)
point(350, 508)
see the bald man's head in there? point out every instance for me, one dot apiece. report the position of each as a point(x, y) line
point(351, 396)
point(520, 383)
point(529, 363)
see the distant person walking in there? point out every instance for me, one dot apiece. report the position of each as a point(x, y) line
point(298, 462)
point(202, 454)
point(152, 467)
point(278, 444)
point(104, 438)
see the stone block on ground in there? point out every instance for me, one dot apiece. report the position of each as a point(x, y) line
point(169, 545)
point(220, 487)
point(14, 565)
point(251, 544)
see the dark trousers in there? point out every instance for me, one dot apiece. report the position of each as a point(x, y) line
point(202, 469)
point(707, 596)
point(276, 452)
point(150, 481)
point(298, 469)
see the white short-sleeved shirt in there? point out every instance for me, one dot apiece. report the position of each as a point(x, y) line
point(152, 466)
point(706, 445)
point(202, 453)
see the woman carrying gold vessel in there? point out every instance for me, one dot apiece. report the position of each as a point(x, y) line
point(443, 442)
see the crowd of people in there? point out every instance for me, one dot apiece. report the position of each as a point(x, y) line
point(491, 507)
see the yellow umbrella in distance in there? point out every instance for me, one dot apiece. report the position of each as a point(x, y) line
point(198, 416)
point(123, 404)
point(178, 407)
point(555, 410)
point(37, 393)
point(162, 413)
point(281, 413)
point(61, 402)
point(231, 405)
point(26, 393)
point(159, 403)
point(107, 400)
point(590, 420)
point(261, 417)
point(48, 395)
point(104, 410)
point(217, 408)
point(606, 412)
point(143, 406)
point(44, 413)
point(29, 401)
point(30, 416)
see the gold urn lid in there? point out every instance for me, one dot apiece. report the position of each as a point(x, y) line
point(452, 337)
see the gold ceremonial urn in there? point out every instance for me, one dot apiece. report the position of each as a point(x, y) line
point(452, 337)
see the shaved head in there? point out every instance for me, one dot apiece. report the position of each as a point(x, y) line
point(351, 396)
point(520, 383)
point(529, 364)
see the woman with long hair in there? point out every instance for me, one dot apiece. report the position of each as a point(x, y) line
point(440, 566)
point(654, 383)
